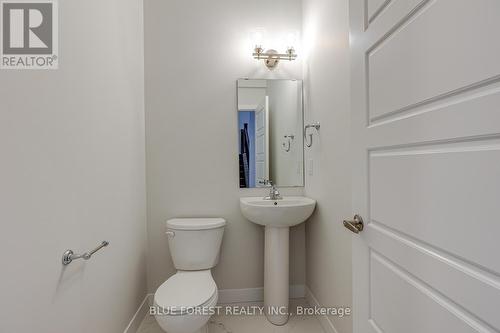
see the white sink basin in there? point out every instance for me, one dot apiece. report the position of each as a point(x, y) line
point(286, 212)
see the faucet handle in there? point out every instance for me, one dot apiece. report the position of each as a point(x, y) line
point(274, 193)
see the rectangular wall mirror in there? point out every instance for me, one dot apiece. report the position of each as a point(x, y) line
point(270, 127)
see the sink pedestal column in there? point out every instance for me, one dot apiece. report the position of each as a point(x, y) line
point(276, 274)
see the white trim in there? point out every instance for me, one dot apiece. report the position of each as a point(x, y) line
point(252, 83)
point(324, 320)
point(297, 291)
point(228, 296)
point(139, 315)
point(247, 107)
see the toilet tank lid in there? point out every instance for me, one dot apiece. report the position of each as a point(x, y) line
point(195, 223)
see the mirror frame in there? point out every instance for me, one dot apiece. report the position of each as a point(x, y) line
point(302, 132)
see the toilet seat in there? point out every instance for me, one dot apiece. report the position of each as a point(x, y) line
point(186, 289)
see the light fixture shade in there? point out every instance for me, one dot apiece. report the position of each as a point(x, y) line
point(292, 38)
point(257, 37)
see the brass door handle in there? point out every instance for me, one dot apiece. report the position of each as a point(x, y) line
point(356, 225)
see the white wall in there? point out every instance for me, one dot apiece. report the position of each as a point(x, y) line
point(191, 122)
point(72, 174)
point(326, 74)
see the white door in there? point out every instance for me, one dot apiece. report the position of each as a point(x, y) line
point(262, 143)
point(426, 147)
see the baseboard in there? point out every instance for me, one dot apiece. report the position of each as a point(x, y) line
point(324, 320)
point(139, 315)
point(297, 291)
point(228, 296)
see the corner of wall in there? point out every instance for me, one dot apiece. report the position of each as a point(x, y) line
point(326, 72)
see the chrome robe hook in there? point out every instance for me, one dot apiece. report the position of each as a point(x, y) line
point(315, 126)
point(288, 144)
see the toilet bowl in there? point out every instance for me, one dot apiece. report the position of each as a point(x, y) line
point(185, 301)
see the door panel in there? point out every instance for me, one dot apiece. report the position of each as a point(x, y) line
point(413, 62)
point(420, 191)
point(441, 272)
point(419, 309)
point(426, 168)
point(374, 8)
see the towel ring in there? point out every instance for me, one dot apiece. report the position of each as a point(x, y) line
point(315, 126)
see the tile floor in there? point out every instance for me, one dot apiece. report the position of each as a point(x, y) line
point(223, 323)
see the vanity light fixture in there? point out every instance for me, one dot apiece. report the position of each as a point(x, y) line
point(271, 57)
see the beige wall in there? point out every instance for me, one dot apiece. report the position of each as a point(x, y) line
point(326, 74)
point(72, 174)
point(191, 125)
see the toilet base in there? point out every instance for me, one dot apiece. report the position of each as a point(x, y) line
point(183, 326)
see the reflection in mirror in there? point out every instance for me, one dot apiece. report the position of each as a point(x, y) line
point(270, 140)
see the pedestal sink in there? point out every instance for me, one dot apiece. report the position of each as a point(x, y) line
point(277, 216)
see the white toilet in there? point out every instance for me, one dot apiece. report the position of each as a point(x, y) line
point(187, 296)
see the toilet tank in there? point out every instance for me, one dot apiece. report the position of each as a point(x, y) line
point(194, 243)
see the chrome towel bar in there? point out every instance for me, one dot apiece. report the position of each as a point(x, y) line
point(69, 255)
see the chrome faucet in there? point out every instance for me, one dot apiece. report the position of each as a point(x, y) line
point(274, 193)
